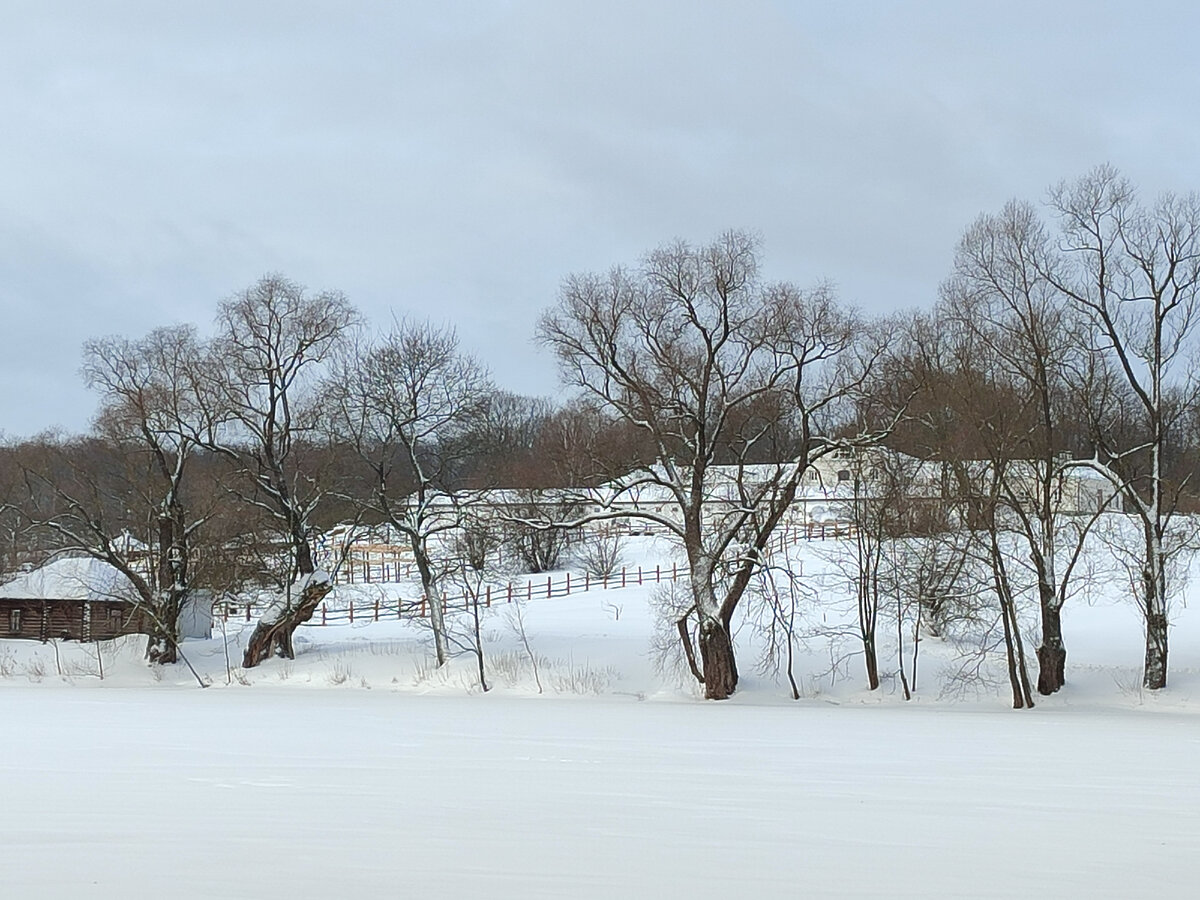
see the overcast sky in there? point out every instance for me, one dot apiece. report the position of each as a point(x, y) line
point(456, 160)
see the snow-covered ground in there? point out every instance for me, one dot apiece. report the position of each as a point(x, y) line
point(359, 770)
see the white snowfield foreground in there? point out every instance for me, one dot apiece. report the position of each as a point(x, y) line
point(273, 793)
point(358, 770)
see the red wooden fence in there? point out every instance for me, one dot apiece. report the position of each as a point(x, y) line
point(378, 610)
point(388, 566)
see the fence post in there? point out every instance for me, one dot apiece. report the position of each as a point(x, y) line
point(657, 573)
point(322, 613)
point(587, 581)
point(247, 612)
point(549, 587)
point(622, 576)
point(351, 612)
point(528, 589)
point(376, 609)
point(423, 602)
point(568, 583)
point(510, 592)
point(489, 596)
point(639, 576)
point(674, 571)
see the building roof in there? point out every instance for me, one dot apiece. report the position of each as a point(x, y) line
point(70, 578)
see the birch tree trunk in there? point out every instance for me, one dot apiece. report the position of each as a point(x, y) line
point(433, 596)
point(1154, 578)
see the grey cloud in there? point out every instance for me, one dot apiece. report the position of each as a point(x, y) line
point(459, 159)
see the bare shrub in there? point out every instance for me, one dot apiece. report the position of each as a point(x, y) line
point(339, 674)
point(600, 554)
point(671, 601)
point(585, 680)
point(516, 620)
point(533, 534)
point(511, 668)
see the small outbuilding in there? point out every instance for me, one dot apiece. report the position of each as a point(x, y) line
point(83, 599)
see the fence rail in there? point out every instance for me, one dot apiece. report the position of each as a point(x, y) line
point(379, 609)
point(387, 564)
point(386, 568)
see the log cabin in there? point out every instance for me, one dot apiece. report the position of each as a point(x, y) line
point(71, 598)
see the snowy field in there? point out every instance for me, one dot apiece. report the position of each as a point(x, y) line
point(270, 793)
point(358, 770)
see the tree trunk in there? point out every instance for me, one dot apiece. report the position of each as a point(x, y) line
point(1052, 654)
point(1156, 651)
point(1017, 679)
point(1154, 676)
point(1018, 676)
point(872, 662)
point(1022, 665)
point(478, 638)
point(273, 634)
point(304, 560)
point(433, 597)
point(716, 656)
point(161, 642)
point(163, 616)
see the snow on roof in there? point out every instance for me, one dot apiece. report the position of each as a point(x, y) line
point(70, 578)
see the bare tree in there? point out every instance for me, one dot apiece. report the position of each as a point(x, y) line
point(152, 399)
point(781, 595)
point(712, 366)
point(1134, 273)
point(1024, 329)
point(406, 404)
point(90, 497)
point(979, 420)
point(272, 340)
point(504, 440)
point(885, 508)
point(999, 560)
point(600, 551)
point(13, 530)
point(470, 578)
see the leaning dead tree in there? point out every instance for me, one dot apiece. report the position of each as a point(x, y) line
point(279, 621)
point(272, 340)
point(737, 386)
